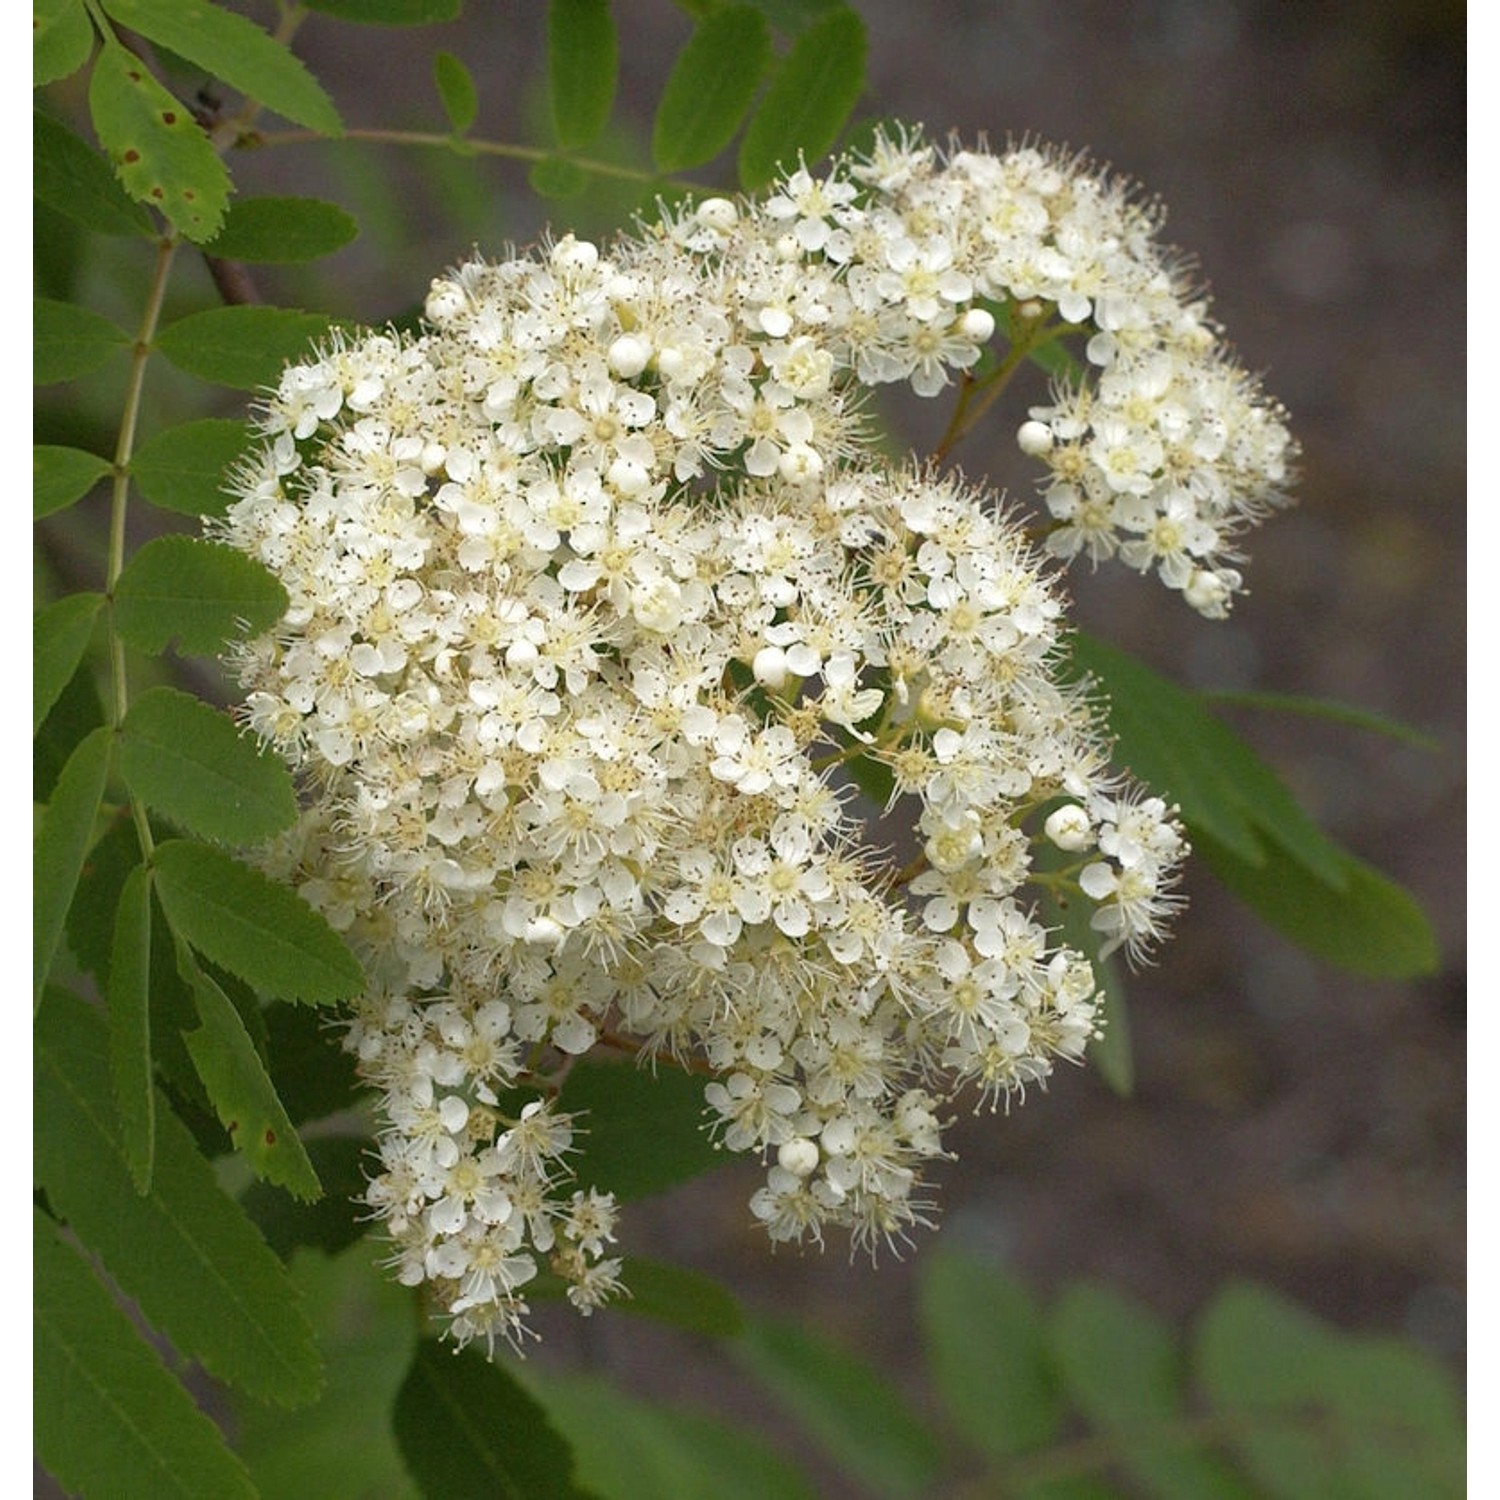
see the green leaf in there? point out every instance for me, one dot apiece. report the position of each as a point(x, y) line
point(860, 1420)
point(68, 341)
point(188, 760)
point(62, 38)
point(159, 151)
point(200, 594)
point(183, 468)
point(811, 96)
point(337, 1219)
point(557, 177)
point(243, 1095)
point(1329, 710)
point(235, 50)
point(1323, 1413)
point(468, 1432)
point(255, 928)
point(987, 1350)
point(72, 179)
point(187, 1254)
point(60, 634)
point(282, 230)
point(389, 12)
point(1181, 750)
point(66, 832)
point(710, 88)
point(342, 1448)
point(628, 1449)
point(130, 1027)
point(61, 476)
point(314, 1074)
point(108, 1418)
point(455, 86)
point(242, 347)
point(582, 63)
point(792, 16)
point(1122, 1366)
point(91, 922)
point(680, 1297)
point(644, 1134)
point(1372, 926)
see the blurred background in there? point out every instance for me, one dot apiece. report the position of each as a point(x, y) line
point(1289, 1123)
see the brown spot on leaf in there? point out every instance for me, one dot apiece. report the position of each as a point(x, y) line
point(131, 157)
point(233, 1126)
point(133, 76)
point(270, 1137)
point(169, 117)
point(189, 194)
point(156, 192)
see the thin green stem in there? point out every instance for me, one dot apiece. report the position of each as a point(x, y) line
point(507, 149)
point(120, 498)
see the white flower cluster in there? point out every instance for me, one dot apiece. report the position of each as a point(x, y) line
point(601, 611)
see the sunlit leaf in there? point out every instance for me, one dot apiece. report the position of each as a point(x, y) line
point(282, 230)
point(455, 86)
point(62, 39)
point(236, 50)
point(182, 468)
point(467, 1431)
point(195, 593)
point(186, 1253)
point(129, 996)
point(582, 62)
point(68, 341)
point(160, 153)
point(74, 180)
point(243, 347)
point(987, 1350)
point(108, 1419)
point(710, 88)
point(191, 763)
point(244, 1098)
point(60, 634)
point(857, 1416)
point(253, 927)
point(811, 97)
point(62, 841)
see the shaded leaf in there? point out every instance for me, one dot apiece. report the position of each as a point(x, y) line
point(582, 63)
point(811, 97)
point(199, 594)
point(242, 347)
point(62, 39)
point(1181, 750)
point(91, 922)
point(60, 634)
point(282, 230)
point(1122, 1366)
point(68, 341)
point(62, 841)
point(74, 180)
point(255, 928)
point(987, 1350)
point(792, 16)
point(183, 468)
point(244, 1098)
point(557, 177)
point(337, 1219)
point(1372, 926)
point(467, 1431)
point(109, 1420)
point(860, 1419)
point(236, 50)
point(643, 1133)
point(710, 88)
point(1328, 1414)
point(192, 764)
point(314, 1074)
point(159, 151)
point(129, 997)
point(186, 1253)
point(389, 12)
point(60, 476)
point(665, 1294)
point(628, 1449)
point(455, 86)
point(1326, 709)
point(342, 1448)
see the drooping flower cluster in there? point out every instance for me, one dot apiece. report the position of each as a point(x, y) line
point(601, 614)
